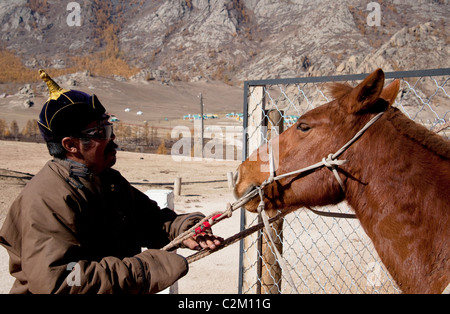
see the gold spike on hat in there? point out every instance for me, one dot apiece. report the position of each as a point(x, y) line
point(54, 89)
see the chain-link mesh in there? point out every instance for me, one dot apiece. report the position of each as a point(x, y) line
point(324, 254)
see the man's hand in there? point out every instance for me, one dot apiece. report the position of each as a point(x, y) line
point(204, 240)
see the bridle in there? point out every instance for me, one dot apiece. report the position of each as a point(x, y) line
point(331, 162)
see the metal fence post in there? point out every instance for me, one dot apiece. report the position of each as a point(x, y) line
point(256, 104)
point(270, 269)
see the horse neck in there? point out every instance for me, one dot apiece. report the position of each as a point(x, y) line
point(396, 154)
point(397, 185)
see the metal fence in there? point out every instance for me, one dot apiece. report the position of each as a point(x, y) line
point(324, 254)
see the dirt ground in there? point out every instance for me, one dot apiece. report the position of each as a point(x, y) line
point(204, 189)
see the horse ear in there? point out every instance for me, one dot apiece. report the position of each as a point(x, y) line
point(390, 92)
point(366, 94)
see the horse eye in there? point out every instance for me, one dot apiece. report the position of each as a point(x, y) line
point(303, 127)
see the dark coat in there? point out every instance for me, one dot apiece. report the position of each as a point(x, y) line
point(72, 232)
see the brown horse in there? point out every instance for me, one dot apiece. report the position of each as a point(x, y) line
point(397, 179)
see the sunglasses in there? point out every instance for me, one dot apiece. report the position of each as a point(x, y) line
point(103, 132)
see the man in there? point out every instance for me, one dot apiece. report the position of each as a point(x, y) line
point(79, 226)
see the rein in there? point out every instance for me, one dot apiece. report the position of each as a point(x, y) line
point(331, 162)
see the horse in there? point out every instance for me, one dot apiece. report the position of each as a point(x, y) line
point(396, 180)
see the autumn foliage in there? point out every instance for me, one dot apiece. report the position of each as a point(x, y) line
point(106, 60)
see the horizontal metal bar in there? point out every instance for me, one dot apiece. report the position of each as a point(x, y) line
point(418, 73)
point(352, 77)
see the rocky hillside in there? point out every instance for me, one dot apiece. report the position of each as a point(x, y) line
point(226, 40)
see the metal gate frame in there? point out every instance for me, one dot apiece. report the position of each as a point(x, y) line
point(323, 287)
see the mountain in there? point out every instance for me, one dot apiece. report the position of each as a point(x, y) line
point(225, 40)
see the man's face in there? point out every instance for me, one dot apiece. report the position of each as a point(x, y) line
point(99, 153)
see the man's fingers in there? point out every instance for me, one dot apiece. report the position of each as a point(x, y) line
point(209, 241)
point(206, 243)
point(204, 240)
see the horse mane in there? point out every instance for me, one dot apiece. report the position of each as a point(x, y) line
point(339, 90)
point(402, 124)
point(418, 133)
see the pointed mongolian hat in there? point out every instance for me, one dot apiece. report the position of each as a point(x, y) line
point(66, 112)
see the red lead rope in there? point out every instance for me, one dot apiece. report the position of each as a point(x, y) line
point(206, 225)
